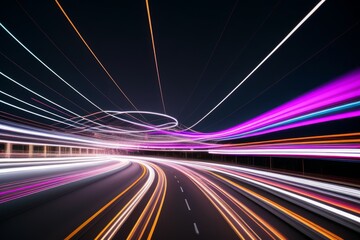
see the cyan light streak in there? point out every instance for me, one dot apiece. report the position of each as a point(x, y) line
point(298, 119)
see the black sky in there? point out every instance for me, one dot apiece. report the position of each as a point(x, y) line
point(186, 34)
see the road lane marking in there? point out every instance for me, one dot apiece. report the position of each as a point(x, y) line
point(187, 204)
point(175, 176)
point(181, 189)
point(196, 229)
point(178, 181)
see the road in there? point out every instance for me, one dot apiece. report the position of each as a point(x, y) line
point(128, 197)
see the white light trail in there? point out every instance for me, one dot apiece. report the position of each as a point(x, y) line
point(36, 114)
point(169, 125)
point(261, 63)
point(52, 71)
point(38, 108)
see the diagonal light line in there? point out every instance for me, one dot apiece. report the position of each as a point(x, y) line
point(91, 51)
point(154, 51)
point(264, 60)
point(44, 64)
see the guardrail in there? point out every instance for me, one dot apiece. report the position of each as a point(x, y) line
point(20, 149)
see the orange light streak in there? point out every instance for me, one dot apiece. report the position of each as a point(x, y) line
point(305, 138)
point(288, 212)
point(72, 234)
point(154, 51)
point(147, 213)
point(270, 230)
point(92, 52)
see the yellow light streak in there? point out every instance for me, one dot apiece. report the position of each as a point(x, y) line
point(72, 234)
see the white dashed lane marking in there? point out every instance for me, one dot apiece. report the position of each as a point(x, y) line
point(187, 204)
point(196, 229)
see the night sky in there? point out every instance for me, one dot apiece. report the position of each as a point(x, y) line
point(204, 49)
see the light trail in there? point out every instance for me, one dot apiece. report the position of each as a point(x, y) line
point(109, 113)
point(288, 212)
point(235, 193)
point(38, 108)
point(20, 189)
point(68, 138)
point(93, 54)
point(109, 231)
point(302, 140)
point(261, 63)
point(37, 94)
point(52, 71)
point(41, 82)
point(332, 102)
point(156, 201)
point(154, 52)
point(36, 114)
point(47, 67)
point(253, 204)
point(200, 181)
point(66, 57)
point(106, 206)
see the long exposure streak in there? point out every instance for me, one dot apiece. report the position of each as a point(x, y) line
point(284, 167)
point(264, 60)
point(154, 52)
point(92, 53)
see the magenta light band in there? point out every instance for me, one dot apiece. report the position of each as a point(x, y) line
point(344, 89)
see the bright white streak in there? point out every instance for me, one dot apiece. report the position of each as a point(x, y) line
point(70, 165)
point(355, 153)
point(36, 114)
point(68, 84)
point(66, 138)
point(131, 205)
point(46, 99)
point(160, 127)
point(39, 95)
point(32, 54)
point(266, 58)
point(322, 185)
point(296, 196)
point(41, 109)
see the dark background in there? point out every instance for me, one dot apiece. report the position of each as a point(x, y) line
point(205, 48)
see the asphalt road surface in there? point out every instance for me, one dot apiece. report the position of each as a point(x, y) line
point(128, 197)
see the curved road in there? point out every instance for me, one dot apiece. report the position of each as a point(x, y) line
point(128, 197)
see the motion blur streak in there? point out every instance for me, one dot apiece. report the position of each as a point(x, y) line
point(20, 189)
point(92, 53)
point(254, 204)
point(264, 60)
point(238, 224)
point(84, 224)
point(301, 219)
point(154, 52)
point(74, 167)
point(115, 224)
point(156, 201)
